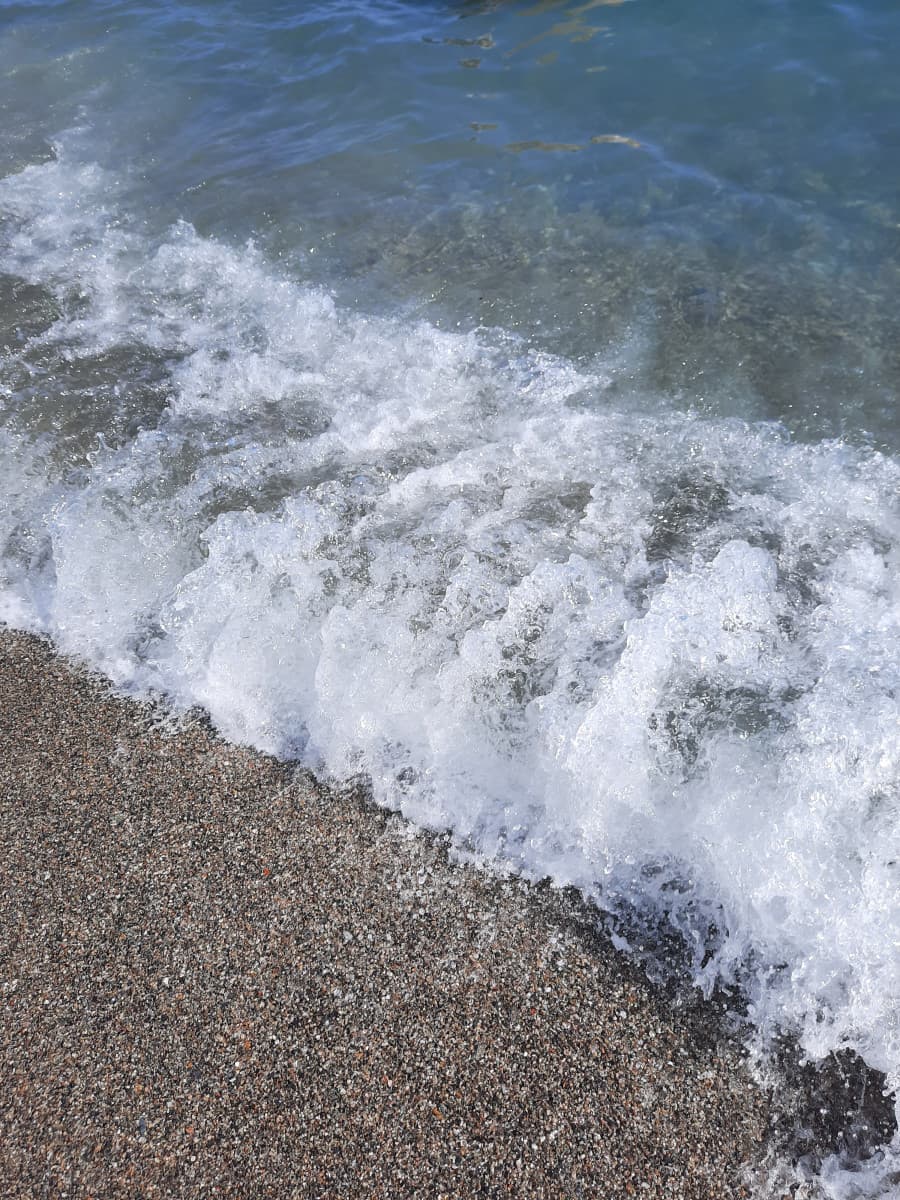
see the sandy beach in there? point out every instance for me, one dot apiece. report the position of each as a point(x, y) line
point(222, 979)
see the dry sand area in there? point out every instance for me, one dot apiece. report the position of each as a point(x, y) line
point(220, 979)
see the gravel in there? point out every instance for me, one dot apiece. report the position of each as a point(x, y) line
point(219, 978)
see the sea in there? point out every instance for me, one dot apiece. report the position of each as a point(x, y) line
point(494, 402)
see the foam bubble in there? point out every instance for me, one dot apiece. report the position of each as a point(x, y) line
point(653, 655)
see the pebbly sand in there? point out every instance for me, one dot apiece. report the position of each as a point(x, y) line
point(219, 979)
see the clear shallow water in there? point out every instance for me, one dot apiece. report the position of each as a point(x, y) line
point(496, 400)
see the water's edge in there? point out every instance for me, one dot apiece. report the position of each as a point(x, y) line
point(835, 1110)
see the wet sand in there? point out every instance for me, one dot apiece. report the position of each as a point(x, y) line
point(221, 979)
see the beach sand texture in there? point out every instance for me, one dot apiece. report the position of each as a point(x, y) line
point(219, 978)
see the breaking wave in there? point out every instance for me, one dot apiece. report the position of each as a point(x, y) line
point(651, 654)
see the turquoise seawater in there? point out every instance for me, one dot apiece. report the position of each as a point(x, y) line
point(721, 181)
point(498, 400)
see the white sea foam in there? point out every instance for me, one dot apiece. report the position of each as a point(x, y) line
point(653, 655)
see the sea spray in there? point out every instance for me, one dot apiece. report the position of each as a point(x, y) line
point(648, 653)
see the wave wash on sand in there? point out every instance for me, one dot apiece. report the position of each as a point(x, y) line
point(648, 654)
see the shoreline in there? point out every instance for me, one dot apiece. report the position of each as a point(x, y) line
point(224, 979)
